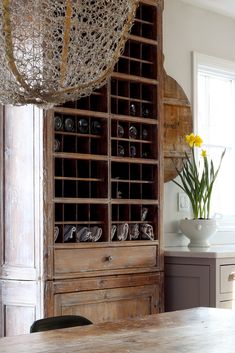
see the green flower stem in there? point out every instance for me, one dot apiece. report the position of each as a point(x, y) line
point(198, 187)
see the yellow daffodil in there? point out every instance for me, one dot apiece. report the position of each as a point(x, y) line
point(204, 153)
point(198, 141)
point(190, 139)
point(193, 140)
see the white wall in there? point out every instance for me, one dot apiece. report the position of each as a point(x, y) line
point(185, 29)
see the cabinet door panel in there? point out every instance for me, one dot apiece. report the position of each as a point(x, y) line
point(109, 304)
point(186, 286)
point(19, 306)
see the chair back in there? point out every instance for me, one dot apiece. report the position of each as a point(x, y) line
point(57, 322)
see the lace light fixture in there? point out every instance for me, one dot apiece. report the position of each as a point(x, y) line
point(53, 51)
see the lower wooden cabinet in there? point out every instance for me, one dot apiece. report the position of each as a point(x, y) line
point(108, 304)
point(107, 298)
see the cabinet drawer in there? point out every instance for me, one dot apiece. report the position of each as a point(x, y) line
point(227, 278)
point(71, 261)
point(228, 304)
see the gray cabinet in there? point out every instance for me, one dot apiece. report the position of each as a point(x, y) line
point(199, 279)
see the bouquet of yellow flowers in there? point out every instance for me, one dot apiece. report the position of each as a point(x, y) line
point(198, 182)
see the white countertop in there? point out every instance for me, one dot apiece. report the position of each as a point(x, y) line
point(215, 251)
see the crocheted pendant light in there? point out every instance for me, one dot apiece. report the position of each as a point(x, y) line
point(53, 51)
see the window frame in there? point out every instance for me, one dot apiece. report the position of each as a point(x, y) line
point(224, 68)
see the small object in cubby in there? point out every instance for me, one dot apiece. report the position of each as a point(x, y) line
point(147, 232)
point(144, 133)
point(96, 233)
point(121, 151)
point(145, 154)
point(113, 231)
point(69, 124)
point(83, 126)
point(132, 109)
point(134, 231)
point(58, 123)
point(56, 145)
point(144, 213)
point(83, 234)
point(145, 112)
point(119, 194)
point(69, 231)
point(133, 132)
point(120, 131)
point(56, 233)
point(122, 231)
point(132, 151)
point(95, 127)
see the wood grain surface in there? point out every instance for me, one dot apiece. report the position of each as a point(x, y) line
point(198, 330)
point(177, 123)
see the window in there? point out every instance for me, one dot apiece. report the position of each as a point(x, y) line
point(214, 121)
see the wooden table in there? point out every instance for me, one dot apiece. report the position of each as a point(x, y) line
point(199, 330)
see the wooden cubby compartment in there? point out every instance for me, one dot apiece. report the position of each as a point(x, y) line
point(78, 216)
point(96, 102)
point(132, 99)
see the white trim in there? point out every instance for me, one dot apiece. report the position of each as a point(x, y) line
point(222, 66)
point(222, 8)
point(219, 64)
point(195, 84)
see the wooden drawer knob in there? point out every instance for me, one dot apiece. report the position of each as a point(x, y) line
point(109, 258)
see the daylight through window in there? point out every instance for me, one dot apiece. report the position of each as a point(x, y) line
point(215, 122)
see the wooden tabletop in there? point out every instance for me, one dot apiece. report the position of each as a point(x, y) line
point(199, 330)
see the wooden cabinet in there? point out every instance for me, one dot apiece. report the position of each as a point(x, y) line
point(22, 247)
point(206, 279)
point(104, 185)
point(82, 185)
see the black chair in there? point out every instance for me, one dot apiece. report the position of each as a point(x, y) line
point(56, 322)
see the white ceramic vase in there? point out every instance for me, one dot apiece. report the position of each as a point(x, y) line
point(198, 231)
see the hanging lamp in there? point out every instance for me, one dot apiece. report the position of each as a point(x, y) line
point(53, 51)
